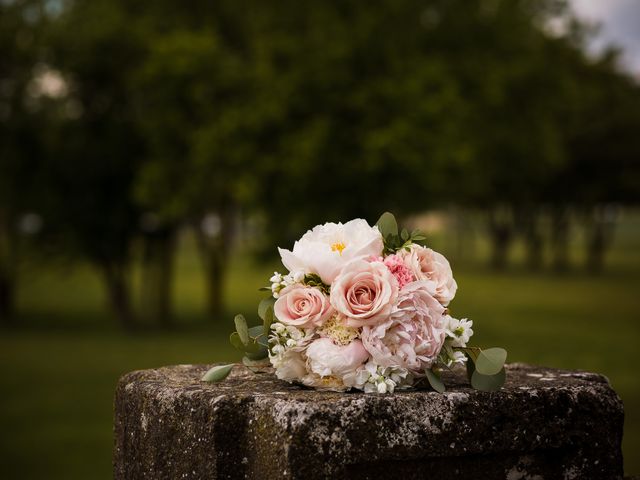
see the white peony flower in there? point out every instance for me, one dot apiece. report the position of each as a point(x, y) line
point(325, 358)
point(458, 331)
point(289, 364)
point(325, 249)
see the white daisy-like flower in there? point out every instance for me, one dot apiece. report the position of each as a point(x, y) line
point(374, 378)
point(458, 331)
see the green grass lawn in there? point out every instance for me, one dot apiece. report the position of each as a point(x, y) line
point(59, 368)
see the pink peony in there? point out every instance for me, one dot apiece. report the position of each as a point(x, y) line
point(413, 335)
point(302, 306)
point(325, 358)
point(364, 292)
point(432, 267)
point(396, 265)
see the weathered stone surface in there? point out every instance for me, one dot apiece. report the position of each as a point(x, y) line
point(544, 423)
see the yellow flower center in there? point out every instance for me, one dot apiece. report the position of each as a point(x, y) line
point(338, 247)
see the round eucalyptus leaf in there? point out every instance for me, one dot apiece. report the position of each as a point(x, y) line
point(241, 328)
point(488, 383)
point(264, 305)
point(234, 339)
point(256, 331)
point(491, 361)
point(260, 352)
point(387, 225)
point(435, 381)
point(217, 373)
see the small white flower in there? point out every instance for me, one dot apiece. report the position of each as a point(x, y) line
point(276, 278)
point(298, 277)
point(382, 387)
point(459, 331)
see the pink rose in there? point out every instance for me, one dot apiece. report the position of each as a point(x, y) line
point(413, 335)
point(302, 306)
point(364, 292)
point(432, 267)
point(325, 358)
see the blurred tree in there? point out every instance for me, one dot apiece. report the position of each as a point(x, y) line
point(196, 106)
point(22, 81)
point(603, 152)
point(95, 145)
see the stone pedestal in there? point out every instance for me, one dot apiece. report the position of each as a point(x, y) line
point(544, 423)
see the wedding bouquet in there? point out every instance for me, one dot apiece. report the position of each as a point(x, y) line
point(364, 308)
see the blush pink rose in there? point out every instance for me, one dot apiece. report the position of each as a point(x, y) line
point(432, 267)
point(364, 292)
point(414, 333)
point(302, 306)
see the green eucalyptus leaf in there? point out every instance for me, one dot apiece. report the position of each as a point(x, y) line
point(259, 336)
point(234, 339)
point(255, 332)
point(435, 381)
point(255, 363)
point(217, 373)
point(491, 361)
point(387, 225)
point(241, 328)
point(264, 305)
point(268, 320)
point(488, 383)
point(259, 353)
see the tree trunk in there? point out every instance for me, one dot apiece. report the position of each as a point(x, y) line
point(7, 271)
point(7, 289)
point(600, 234)
point(157, 277)
point(501, 234)
point(118, 293)
point(533, 239)
point(560, 238)
point(214, 250)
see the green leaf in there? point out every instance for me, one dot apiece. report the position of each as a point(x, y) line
point(241, 328)
point(259, 353)
point(268, 320)
point(264, 305)
point(258, 335)
point(255, 332)
point(234, 339)
point(488, 383)
point(491, 361)
point(264, 289)
point(254, 363)
point(404, 234)
point(387, 225)
point(217, 373)
point(435, 381)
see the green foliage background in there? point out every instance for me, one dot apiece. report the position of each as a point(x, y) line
point(153, 154)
